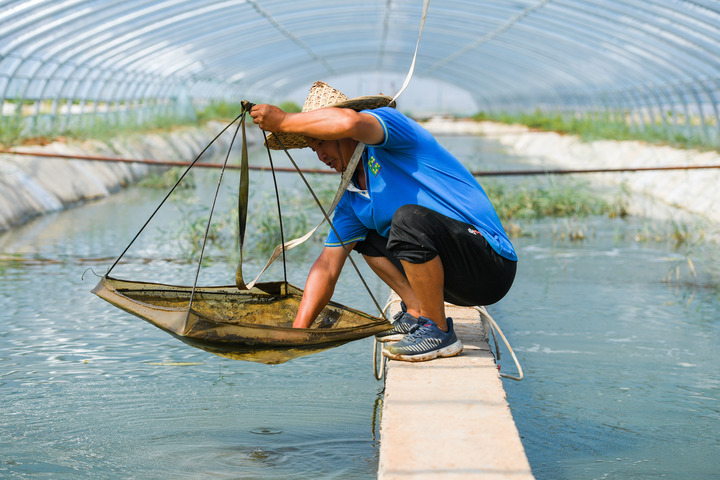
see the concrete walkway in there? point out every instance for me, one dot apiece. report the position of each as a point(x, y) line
point(448, 418)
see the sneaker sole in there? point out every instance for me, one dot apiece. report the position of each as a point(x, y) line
point(449, 351)
point(391, 338)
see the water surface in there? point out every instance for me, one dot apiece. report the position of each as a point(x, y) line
point(90, 391)
point(621, 366)
point(621, 358)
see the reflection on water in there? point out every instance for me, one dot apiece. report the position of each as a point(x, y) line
point(621, 368)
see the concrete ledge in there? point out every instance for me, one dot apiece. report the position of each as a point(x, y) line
point(448, 418)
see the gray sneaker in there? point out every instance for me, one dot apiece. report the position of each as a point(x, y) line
point(402, 323)
point(425, 342)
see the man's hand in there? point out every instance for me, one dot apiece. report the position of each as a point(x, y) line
point(268, 117)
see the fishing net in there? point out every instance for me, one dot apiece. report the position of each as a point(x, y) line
point(246, 321)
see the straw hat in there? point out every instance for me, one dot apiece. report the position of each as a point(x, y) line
point(322, 95)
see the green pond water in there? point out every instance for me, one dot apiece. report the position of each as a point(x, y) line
point(620, 357)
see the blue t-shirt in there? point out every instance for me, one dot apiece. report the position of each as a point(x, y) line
point(411, 167)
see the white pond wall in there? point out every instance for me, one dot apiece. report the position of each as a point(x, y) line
point(31, 186)
point(695, 191)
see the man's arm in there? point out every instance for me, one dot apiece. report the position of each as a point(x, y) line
point(320, 284)
point(324, 123)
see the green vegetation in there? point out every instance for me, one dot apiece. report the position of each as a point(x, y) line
point(570, 200)
point(11, 128)
point(13, 131)
point(104, 129)
point(694, 249)
point(607, 127)
point(165, 179)
point(222, 233)
point(120, 119)
point(564, 209)
point(521, 204)
point(219, 111)
point(262, 235)
point(554, 198)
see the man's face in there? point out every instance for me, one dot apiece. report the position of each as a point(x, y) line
point(333, 153)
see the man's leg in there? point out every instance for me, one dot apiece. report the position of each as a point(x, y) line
point(390, 270)
point(442, 258)
point(396, 280)
point(420, 286)
point(434, 336)
point(471, 272)
point(427, 280)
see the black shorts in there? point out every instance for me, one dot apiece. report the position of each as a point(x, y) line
point(475, 274)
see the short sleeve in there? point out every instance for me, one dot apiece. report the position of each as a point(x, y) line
point(346, 224)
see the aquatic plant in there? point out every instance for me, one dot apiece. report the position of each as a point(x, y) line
point(190, 233)
point(262, 233)
point(698, 266)
point(11, 128)
point(551, 197)
point(167, 178)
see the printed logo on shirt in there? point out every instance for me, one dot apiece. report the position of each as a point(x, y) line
point(373, 166)
point(473, 231)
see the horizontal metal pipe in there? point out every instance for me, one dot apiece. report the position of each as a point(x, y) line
point(160, 163)
point(568, 171)
point(483, 173)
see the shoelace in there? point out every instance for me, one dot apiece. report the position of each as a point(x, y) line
point(422, 331)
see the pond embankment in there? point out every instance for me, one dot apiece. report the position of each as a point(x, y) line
point(31, 186)
point(652, 193)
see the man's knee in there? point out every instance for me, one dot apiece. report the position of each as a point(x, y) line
point(375, 247)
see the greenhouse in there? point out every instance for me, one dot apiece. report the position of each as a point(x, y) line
point(650, 64)
point(548, 171)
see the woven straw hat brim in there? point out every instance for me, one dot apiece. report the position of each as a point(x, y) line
point(367, 103)
point(322, 96)
point(289, 140)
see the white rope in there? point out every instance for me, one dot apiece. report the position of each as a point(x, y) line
point(379, 374)
point(487, 319)
point(426, 4)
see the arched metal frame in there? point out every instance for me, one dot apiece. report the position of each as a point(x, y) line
point(652, 63)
